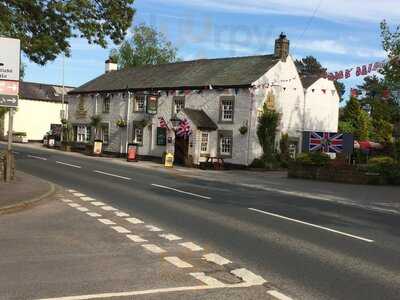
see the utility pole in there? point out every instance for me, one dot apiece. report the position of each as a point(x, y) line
point(9, 156)
point(62, 98)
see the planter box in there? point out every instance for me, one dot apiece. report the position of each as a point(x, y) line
point(20, 139)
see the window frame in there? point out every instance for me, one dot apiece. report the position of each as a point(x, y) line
point(107, 104)
point(175, 99)
point(105, 125)
point(207, 151)
point(221, 135)
point(135, 135)
point(135, 104)
point(87, 135)
point(221, 110)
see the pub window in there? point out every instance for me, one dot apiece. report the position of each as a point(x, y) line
point(225, 143)
point(227, 109)
point(106, 104)
point(138, 135)
point(178, 104)
point(82, 133)
point(105, 133)
point(204, 142)
point(140, 103)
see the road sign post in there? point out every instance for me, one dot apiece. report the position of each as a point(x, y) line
point(10, 56)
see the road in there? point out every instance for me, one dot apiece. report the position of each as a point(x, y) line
point(307, 249)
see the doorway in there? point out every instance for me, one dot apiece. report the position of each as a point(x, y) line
point(181, 150)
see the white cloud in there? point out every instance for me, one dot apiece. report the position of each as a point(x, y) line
point(339, 10)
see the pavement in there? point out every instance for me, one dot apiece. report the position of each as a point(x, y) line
point(303, 246)
point(23, 192)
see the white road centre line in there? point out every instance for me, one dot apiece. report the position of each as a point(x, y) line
point(97, 203)
point(136, 238)
point(36, 157)
point(170, 237)
point(83, 209)
point(109, 208)
point(176, 261)
point(153, 228)
point(93, 214)
point(191, 246)
point(78, 195)
point(121, 214)
point(209, 281)
point(106, 221)
point(154, 248)
point(73, 204)
point(180, 191)
point(112, 175)
point(69, 165)
point(134, 221)
point(278, 295)
point(313, 225)
point(217, 259)
point(87, 199)
point(248, 276)
point(120, 229)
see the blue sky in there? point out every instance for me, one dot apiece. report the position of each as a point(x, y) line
point(343, 34)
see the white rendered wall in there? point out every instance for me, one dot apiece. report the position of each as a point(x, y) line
point(34, 117)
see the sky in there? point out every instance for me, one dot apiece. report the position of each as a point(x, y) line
point(340, 34)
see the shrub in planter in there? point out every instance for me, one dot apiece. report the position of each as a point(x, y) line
point(313, 159)
point(386, 167)
point(258, 163)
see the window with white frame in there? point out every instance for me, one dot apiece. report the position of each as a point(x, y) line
point(178, 104)
point(105, 133)
point(140, 103)
point(227, 109)
point(82, 133)
point(138, 135)
point(106, 104)
point(204, 142)
point(225, 143)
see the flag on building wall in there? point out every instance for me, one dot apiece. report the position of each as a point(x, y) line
point(184, 129)
point(163, 123)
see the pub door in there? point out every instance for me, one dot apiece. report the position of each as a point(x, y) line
point(181, 150)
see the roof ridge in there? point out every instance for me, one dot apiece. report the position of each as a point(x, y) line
point(46, 84)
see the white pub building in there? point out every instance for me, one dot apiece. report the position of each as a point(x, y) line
point(203, 108)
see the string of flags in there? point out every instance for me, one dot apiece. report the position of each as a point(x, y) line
point(356, 71)
point(386, 93)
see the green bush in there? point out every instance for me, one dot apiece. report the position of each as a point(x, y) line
point(381, 160)
point(19, 133)
point(386, 167)
point(313, 159)
point(258, 163)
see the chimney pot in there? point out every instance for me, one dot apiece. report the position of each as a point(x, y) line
point(282, 47)
point(110, 65)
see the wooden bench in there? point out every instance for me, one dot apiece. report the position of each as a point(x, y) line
point(215, 162)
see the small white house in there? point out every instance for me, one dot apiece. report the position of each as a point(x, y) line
point(39, 106)
point(212, 99)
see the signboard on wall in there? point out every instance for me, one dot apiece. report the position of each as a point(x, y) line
point(8, 101)
point(328, 142)
point(161, 136)
point(151, 106)
point(9, 59)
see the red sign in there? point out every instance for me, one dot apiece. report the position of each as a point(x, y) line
point(132, 153)
point(9, 87)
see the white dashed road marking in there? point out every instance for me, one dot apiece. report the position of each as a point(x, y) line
point(134, 221)
point(93, 214)
point(69, 165)
point(108, 208)
point(37, 157)
point(248, 276)
point(191, 246)
point(106, 221)
point(153, 228)
point(180, 191)
point(84, 209)
point(73, 204)
point(72, 191)
point(217, 259)
point(278, 295)
point(120, 229)
point(176, 261)
point(112, 175)
point(154, 248)
point(97, 203)
point(87, 199)
point(207, 280)
point(78, 194)
point(136, 238)
point(66, 200)
point(121, 214)
point(312, 225)
point(170, 237)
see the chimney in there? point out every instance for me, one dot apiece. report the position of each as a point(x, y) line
point(110, 65)
point(282, 47)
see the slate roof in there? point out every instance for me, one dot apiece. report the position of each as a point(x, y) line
point(222, 72)
point(200, 119)
point(308, 81)
point(42, 92)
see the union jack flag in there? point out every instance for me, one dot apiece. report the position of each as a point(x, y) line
point(163, 123)
point(184, 129)
point(327, 142)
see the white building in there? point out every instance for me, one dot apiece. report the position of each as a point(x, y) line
point(217, 97)
point(39, 106)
